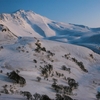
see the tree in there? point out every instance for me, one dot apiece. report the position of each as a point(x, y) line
point(17, 71)
point(63, 67)
point(45, 97)
point(39, 79)
point(35, 61)
point(27, 94)
point(55, 80)
point(17, 78)
point(91, 55)
point(98, 95)
point(1, 47)
point(1, 71)
point(67, 97)
point(37, 96)
point(43, 49)
point(59, 97)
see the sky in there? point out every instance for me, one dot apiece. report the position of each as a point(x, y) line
point(83, 12)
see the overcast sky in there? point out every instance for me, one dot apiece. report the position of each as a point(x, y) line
point(85, 12)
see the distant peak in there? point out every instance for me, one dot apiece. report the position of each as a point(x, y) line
point(20, 11)
point(23, 11)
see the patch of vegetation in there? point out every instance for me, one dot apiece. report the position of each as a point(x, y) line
point(63, 97)
point(67, 56)
point(46, 70)
point(35, 61)
point(72, 83)
point(91, 55)
point(39, 79)
point(62, 89)
point(4, 30)
point(98, 95)
point(66, 69)
point(1, 71)
point(38, 47)
point(1, 47)
point(9, 89)
point(17, 78)
point(50, 53)
point(59, 74)
point(27, 94)
point(80, 64)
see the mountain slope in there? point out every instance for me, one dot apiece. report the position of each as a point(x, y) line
point(20, 56)
point(27, 24)
point(29, 46)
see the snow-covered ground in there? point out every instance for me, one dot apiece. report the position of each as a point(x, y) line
point(14, 58)
point(20, 33)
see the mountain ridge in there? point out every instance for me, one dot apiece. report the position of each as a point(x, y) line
point(29, 24)
point(22, 14)
point(42, 24)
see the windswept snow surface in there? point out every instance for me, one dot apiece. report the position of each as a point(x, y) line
point(19, 34)
point(14, 58)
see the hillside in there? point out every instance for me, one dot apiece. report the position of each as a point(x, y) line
point(40, 58)
point(22, 55)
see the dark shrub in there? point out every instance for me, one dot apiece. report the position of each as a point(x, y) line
point(98, 95)
point(67, 97)
point(1, 47)
point(37, 96)
point(1, 71)
point(35, 61)
point(59, 97)
point(4, 30)
point(27, 94)
point(18, 79)
point(91, 55)
point(43, 49)
point(80, 64)
point(39, 79)
point(45, 97)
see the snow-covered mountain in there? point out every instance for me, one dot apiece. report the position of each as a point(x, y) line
point(27, 23)
point(47, 59)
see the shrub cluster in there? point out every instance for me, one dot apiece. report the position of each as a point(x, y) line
point(39, 48)
point(80, 64)
point(17, 78)
point(98, 95)
point(66, 69)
